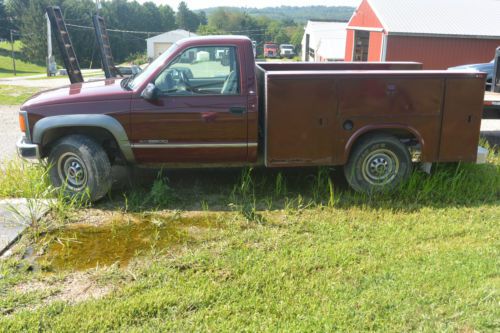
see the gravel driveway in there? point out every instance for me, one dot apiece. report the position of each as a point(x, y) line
point(9, 131)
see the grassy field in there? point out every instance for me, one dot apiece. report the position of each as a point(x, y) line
point(7, 46)
point(23, 68)
point(261, 250)
point(15, 95)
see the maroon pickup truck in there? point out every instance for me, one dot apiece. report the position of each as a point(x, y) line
point(205, 102)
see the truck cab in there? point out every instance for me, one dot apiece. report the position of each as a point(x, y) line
point(197, 108)
point(287, 51)
point(271, 50)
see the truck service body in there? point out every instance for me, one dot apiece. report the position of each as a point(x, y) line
point(272, 114)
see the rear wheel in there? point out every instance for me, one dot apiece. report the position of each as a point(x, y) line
point(80, 167)
point(378, 162)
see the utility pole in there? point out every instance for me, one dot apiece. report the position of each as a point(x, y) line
point(12, 49)
point(49, 45)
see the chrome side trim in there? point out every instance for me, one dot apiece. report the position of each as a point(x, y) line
point(192, 145)
point(86, 120)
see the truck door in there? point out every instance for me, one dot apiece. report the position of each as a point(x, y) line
point(200, 115)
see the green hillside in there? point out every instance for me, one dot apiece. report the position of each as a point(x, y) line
point(23, 68)
point(298, 14)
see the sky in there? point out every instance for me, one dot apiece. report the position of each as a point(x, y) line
point(199, 4)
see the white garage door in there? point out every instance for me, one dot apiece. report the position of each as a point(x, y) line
point(160, 48)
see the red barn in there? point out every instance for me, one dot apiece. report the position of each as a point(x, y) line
point(437, 33)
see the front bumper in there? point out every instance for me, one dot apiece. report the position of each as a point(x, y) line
point(27, 150)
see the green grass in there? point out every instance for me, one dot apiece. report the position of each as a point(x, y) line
point(23, 68)
point(293, 251)
point(22, 179)
point(321, 270)
point(7, 46)
point(15, 95)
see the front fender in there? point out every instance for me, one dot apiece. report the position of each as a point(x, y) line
point(85, 120)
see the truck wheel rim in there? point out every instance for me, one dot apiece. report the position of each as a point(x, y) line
point(72, 171)
point(380, 167)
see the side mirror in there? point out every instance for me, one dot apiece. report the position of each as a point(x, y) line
point(150, 93)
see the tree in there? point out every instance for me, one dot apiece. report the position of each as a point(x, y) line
point(281, 38)
point(187, 19)
point(5, 21)
point(203, 18)
point(80, 12)
point(167, 18)
point(205, 30)
point(28, 18)
point(132, 16)
point(32, 30)
point(296, 35)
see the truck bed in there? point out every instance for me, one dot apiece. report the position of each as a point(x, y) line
point(312, 117)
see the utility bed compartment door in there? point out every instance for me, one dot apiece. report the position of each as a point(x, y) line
point(461, 119)
point(300, 117)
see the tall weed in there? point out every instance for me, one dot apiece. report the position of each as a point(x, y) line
point(21, 179)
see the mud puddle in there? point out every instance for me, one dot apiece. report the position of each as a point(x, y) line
point(81, 247)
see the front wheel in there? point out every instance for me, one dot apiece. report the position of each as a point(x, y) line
point(378, 162)
point(80, 167)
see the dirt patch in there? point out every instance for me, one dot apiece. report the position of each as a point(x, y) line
point(9, 132)
point(74, 288)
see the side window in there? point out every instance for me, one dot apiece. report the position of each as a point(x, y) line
point(208, 70)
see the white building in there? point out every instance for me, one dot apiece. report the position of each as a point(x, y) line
point(158, 44)
point(327, 41)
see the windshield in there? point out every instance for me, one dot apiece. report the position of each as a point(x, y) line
point(143, 76)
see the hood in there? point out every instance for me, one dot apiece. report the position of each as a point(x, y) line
point(99, 90)
point(487, 67)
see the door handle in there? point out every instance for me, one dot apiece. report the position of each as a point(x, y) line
point(237, 110)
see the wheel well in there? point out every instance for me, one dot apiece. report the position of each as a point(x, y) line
point(409, 139)
point(102, 136)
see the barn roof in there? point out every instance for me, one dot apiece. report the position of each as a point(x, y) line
point(466, 18)
point(172, 36)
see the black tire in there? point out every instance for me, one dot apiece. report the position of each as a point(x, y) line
point(377, 163)
point(80, 167)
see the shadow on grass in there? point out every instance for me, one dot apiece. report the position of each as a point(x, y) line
point(263, 189)
point(19, 55)
point(18, 72)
